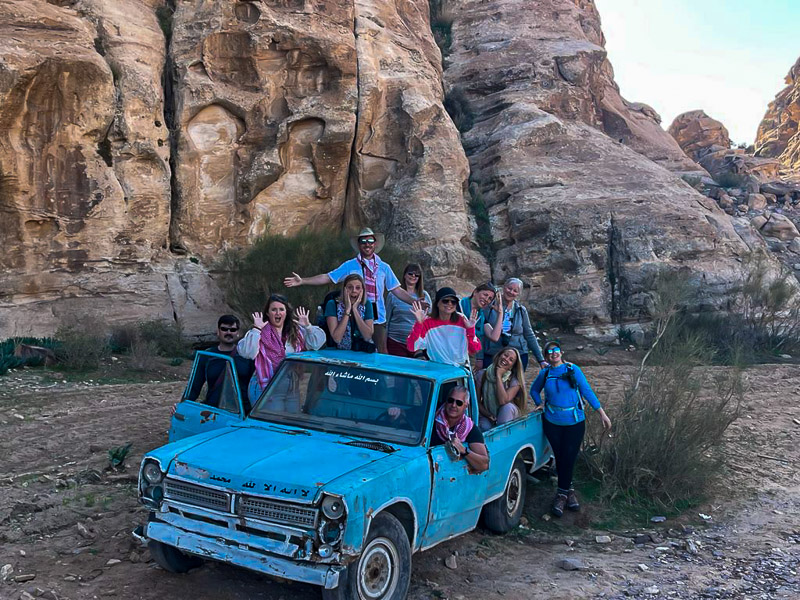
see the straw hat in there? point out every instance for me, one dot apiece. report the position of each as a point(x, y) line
point(380, 239)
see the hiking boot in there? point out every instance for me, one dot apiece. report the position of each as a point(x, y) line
point(572, 501)
point(558, 505)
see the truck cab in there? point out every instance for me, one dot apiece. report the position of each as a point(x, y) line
point(331, 479)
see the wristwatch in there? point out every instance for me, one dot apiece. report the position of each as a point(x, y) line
point(466, 451)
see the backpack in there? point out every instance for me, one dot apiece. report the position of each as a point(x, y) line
point(569, 377)
point(322, 322)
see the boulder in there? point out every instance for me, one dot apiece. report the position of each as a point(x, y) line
point(778, 134)
point(756, 202)
point(781, 227)
point(698, 134)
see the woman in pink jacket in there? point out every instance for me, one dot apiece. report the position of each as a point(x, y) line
point(447, 335)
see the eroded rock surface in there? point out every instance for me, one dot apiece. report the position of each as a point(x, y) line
point(698, 134)
point(583, 219)
point(779, 132)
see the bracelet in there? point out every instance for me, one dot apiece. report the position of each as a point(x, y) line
point(254, 327)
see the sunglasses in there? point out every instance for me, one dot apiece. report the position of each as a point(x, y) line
point(228, 329)
point(411, 274)
point(452, 301)
point(553, 350)
point(456, 401)
point(366, 241)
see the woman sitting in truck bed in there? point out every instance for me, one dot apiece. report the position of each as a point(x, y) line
point(502, 394)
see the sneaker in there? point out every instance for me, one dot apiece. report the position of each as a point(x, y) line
point(572, 501)
point(558, 505)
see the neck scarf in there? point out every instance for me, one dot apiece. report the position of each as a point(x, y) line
point(461, 430)
point(489, 391)
point(370, 271)
point(271, 352)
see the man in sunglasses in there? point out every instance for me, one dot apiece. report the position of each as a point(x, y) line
point(212, 372)
point(453, 427)
point(378, 278)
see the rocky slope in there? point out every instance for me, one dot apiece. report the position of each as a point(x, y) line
point(586, 220)
point(141, 138)
point(779, 132)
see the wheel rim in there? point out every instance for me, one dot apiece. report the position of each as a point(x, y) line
point(378, 570)
point(513, 492)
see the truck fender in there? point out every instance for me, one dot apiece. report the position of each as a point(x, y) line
point(403, 509)
point(528, 454)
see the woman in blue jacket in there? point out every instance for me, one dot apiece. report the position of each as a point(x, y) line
point(564, 421)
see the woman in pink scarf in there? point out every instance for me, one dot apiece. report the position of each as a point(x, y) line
point(268, 342)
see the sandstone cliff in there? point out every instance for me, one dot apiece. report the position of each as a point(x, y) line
point(779, 132)
point(140, 138)
point(582, 218)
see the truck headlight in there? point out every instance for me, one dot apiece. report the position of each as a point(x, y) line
point(333, 507)
point(152, 473)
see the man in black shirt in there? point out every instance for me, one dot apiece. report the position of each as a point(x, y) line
point(212, 372)
point(452, 426)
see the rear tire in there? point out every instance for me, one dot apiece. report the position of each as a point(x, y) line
point(383, 571)
point(503, 515)
point(171, 559)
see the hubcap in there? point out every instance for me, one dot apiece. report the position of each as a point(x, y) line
point(378, 570)
point(513, 492)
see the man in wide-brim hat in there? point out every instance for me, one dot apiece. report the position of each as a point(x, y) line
point(378, 278)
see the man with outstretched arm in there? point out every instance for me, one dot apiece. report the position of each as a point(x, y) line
point(378, 278)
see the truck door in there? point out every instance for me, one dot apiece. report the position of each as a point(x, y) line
point(457, 495)
point(212, 398)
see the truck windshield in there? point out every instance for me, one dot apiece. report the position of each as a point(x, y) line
point(346, 399)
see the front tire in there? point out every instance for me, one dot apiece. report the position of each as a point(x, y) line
point(171, 559)
point(383, 571)
point(503, 515)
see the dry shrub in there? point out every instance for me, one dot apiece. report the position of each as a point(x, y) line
point(666, 446)
point(142, 354)
point(165, 337)
point(82, 345)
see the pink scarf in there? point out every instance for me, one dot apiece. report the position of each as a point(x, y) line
point(461, 430)
point(370, 271)
point(271, 352)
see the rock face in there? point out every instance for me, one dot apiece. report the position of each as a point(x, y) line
point(284, 113)
point(779, 132)
point(586, 221)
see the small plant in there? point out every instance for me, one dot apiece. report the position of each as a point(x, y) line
point(142, 354)
point(624, 335)
point(458, 107)
point(122, 337)
point(117, 455)
point(441, 25)
point(601, 350)
point(176, 362)
point(479, 210)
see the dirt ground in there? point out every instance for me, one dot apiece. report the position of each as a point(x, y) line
point(65, 520)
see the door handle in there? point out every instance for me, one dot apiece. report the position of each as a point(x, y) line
point(179, 416)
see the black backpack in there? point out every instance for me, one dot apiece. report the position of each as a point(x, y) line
point(322, 322)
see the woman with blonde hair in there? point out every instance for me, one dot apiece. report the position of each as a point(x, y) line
point(502, 394)
point(351, 317)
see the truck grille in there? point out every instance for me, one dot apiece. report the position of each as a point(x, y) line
point(196, 495)
point(277, 512)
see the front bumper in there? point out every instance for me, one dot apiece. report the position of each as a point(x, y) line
point(218, 549)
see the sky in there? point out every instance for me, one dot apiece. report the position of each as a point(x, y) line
point(727, 57)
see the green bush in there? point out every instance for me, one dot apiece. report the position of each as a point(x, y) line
point(82, 346)
point(250, 275)
point(666, 448)
point(458, 107)
point(441, 25)
point(166, 337)
point(8, 346)
point(122, 337)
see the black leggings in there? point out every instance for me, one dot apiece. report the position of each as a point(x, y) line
point(566, 443)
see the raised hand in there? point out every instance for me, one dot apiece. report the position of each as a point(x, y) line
point(302, 317)
point(348, 305)
point(258, 320)
point(358, 301)
point(418, 312)
point(293, 281)
point(473, 318)
point(498, 300)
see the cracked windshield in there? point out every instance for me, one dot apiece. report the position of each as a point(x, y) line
point(348, 400)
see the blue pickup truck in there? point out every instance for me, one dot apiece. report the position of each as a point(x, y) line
point(322, 482)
